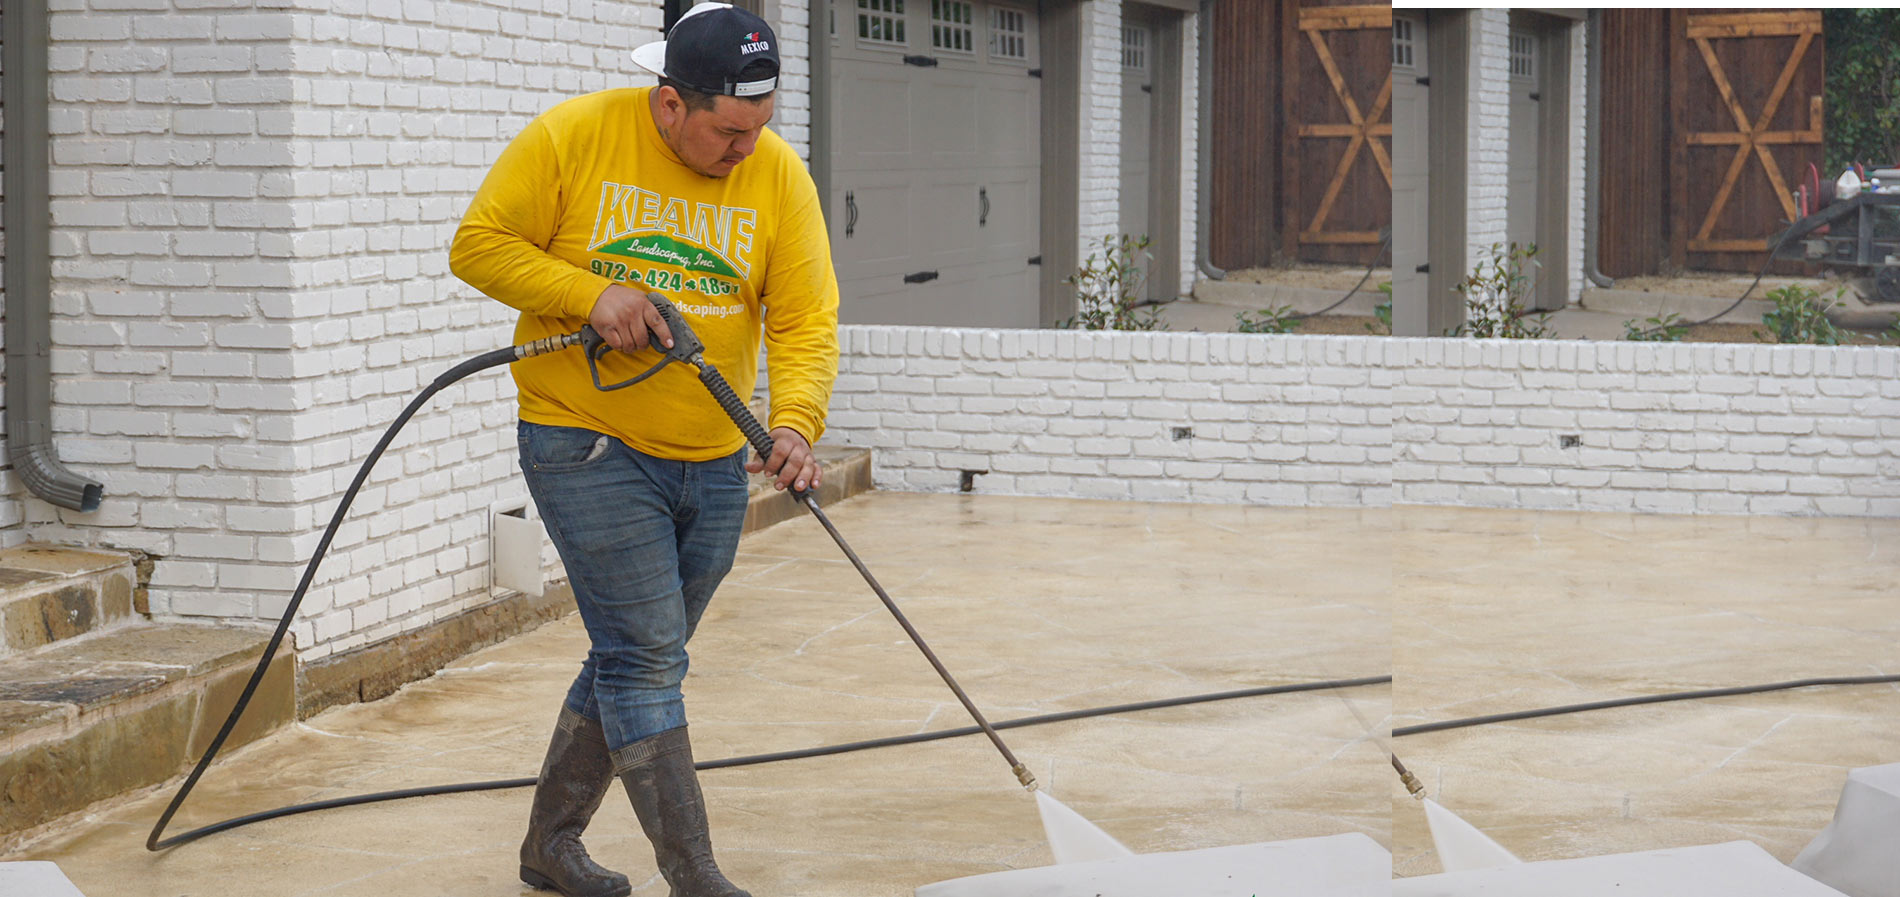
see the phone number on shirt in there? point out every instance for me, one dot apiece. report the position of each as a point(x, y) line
point(620, 272)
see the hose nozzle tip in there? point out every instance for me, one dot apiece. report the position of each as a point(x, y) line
point(1023, 775)
point(1412, 784)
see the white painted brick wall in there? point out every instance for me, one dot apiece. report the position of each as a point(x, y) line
point(1098, 155)
point(1286, 420)
point(1668, 428)
point(1488, 137)
point(252, 210)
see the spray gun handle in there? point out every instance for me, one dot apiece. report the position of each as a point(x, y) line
point(686, 345)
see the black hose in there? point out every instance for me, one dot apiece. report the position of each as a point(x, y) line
point(1422, 728)
point(805, 753)
point(479, 362)
point(1384, 244)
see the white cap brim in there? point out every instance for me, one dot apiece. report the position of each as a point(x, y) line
point(652, 57)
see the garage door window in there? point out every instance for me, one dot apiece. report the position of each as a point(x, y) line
point(1008, 34)
point(953, 26)
point(1402, 46)
point(881, 21)
point(1135, 48)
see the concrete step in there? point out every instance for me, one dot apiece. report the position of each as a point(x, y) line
point(96, 716)
point(49, 593)
point(1305, 298)
point(1640, 304)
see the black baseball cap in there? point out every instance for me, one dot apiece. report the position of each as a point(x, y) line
point(709, 45)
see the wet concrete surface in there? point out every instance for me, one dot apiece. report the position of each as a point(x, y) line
point(1498, 611)
point(1036, 605)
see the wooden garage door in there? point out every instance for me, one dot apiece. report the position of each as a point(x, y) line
point(1338, 165)
point(1747, 109)
point(935, 171)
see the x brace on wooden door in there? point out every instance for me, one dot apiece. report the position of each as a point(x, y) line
point(1752, 137)
point(1361, 129)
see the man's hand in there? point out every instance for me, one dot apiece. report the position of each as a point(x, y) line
point(623, 316)
point(792, 461)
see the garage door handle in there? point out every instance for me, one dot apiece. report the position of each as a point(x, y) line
point(920, 277)
point(850, 213)
point(983, 199)
point(925, 61)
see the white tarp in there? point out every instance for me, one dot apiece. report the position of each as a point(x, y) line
point(1734, 869)
point(1858, 853)
point(38, 879)
point(1460, 845)
point(1073, 839)
point(1349, 865)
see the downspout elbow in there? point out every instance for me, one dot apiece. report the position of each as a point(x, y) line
point(35, 464)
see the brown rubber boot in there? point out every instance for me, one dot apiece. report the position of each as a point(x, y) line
point(660, 780)
point(574, 779)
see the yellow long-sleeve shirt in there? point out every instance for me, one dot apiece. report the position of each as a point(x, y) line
point(587, 196)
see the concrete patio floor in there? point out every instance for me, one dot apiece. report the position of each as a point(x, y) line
point(1036, 605)
point(1498, 611)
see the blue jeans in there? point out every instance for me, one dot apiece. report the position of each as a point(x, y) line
point(646, 541)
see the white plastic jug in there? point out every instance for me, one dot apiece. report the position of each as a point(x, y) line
point(1848, 186)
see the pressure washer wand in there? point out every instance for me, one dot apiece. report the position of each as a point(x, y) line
point(687, 349)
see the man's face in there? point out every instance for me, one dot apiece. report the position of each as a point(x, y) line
point(712, 141)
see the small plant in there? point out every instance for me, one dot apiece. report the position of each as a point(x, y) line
point(1800, 316)
point(1383, 311)
point(1663, 328)
point(1892, 333)
point(1108, 286)
point(1495, 295)
point(1274, 319)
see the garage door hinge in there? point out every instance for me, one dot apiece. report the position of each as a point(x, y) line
point(1035, 260)
point(1035, 73)
point(920, 277)
point(925, 61)
point(1423, 269)
point(1423, 80)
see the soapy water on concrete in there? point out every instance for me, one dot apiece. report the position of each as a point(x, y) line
point(1461, 847)
point(1073, 839)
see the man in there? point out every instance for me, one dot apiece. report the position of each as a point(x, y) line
point(677, 189)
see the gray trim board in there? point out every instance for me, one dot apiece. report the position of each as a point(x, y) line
point(1061, 30)
point(1164, 138)
point(1448, 43)
point(1553, 225)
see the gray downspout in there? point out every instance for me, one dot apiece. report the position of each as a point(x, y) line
point(29, 336)
point(1203, 104)
point(1593, 150)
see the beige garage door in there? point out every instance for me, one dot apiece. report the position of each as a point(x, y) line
point(935, 169)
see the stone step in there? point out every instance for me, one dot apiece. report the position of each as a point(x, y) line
point(847, 473)
point(49, 593)
point(96, 716)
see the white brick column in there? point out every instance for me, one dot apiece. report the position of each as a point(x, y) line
point(791, 117)
point(1488, 135)
point(1190, 148)
point(1580, 76)
point(1098, 153)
